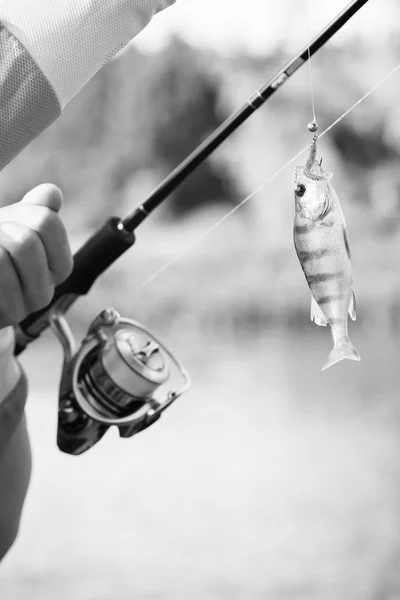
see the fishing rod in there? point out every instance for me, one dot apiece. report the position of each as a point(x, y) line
point(122, 374)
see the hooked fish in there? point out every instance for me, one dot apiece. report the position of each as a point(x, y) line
point(322, 245)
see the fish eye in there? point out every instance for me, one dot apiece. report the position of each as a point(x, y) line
point(300, 190)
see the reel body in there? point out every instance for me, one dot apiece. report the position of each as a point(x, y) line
point(121, 375)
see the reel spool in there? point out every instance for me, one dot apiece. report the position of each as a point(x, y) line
point(122, 375)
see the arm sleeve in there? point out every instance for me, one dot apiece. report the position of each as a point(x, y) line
point(49, 49)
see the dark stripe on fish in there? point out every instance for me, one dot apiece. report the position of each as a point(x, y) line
point(336, 320)
point(329, 298)
point(346, 242)
point(301, 229)
point(321, 277)
point(306, 255)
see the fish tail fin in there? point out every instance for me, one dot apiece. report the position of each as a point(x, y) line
point(341, 350)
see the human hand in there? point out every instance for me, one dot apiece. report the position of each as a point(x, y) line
point(35, 255)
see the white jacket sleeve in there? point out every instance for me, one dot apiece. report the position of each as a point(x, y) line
point(49, 49)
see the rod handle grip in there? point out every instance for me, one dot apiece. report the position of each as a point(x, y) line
point(104, 247)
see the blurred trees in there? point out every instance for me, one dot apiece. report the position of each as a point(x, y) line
point(183, 97)
point(367, 148)
point(144, 113)
point(140, 113)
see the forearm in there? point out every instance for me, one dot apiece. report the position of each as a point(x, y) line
point(49, 49)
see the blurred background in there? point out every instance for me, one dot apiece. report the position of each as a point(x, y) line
point(269, 479)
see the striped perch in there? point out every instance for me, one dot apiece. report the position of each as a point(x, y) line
point(49, 49)
point(322, 246)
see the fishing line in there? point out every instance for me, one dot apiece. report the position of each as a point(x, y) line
point(188, 248)
point(376, 86)
point(311, 85)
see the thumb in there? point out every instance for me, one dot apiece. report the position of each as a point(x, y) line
point(45, 194)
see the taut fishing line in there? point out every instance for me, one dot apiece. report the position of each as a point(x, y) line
point(271, 178)
point(311, 85)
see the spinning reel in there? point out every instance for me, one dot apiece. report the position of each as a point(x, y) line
point(121, 375)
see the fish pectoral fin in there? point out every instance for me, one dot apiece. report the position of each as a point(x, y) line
point(316, 314)
point(326, 208)
point(352, 306)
